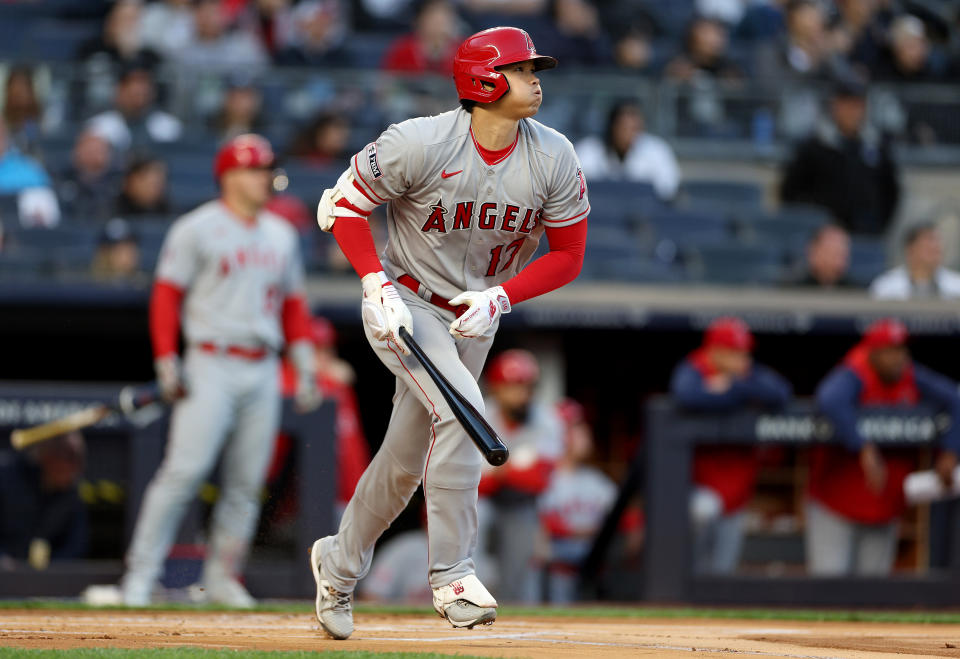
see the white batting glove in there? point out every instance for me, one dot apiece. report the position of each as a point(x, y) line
point(384, 311)
point(307, 395)
point(485, 308)
point(170, 377)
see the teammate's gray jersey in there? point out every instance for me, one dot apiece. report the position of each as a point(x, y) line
point(236, 276)
point(456, 223)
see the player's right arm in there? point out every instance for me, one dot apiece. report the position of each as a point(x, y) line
point(176, 269)
point(378, 173)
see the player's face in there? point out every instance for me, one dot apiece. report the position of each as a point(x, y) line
point(889, 363)
point(253, 185)
point(525, 96)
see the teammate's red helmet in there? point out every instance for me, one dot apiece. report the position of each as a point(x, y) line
point(513, 367)
point(885, 333)
point(243, 151)
point(729, 333)
point(322, 333)
point(479, 55)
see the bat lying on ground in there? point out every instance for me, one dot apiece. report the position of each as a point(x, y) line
point(486, 439)
point(129, 401)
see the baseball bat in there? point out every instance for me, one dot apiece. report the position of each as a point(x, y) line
point(486, 439)
point(129, 400)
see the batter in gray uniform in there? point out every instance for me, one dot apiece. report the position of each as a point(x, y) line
point(469, 194)
point(234, 271)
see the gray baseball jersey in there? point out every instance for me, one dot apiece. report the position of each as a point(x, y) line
point(235, 276)
point(456, 223)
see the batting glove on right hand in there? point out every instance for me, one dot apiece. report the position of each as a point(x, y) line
point(483, 310)
point(383, 310)
point(170, 377)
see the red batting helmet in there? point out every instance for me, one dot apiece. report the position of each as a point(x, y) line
point(479, 55)
point(243, 151)
point(322, 333)
point(729, 333)
point(513, 367)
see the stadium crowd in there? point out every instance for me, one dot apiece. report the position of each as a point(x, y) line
point(113, 109)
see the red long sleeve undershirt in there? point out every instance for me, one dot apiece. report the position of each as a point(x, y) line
point(165, 302)
point(558, 267)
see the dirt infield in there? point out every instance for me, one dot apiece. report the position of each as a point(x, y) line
point(509, 637)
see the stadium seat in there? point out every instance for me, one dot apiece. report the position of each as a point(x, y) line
point(731, 195)
point(733, 263)
point(621, 203)
point(868, 259)
point(674, 230)
point(58, 41)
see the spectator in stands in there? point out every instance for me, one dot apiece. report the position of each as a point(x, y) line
point(507, 508)
point(721, 377)
point(704, 55)
point(922, 274)
point(24, 178)
point(497, 9)
point(269, 20)
point(122, 39)
point(629, 153)
point(167, 26)
point(240, 112)
point(804, 53)
point(762, 21)
point(432, 44)
point(317, 36)
point(118, 253)
point(633, 51)
point(144, 189)
point(907, 57)
point(21, 109)
point(324, 142)
point(857, 33)
point(42, 517)
point(827, 259)
point(134, 121)
point(576, 32)
point(215, 49)
point(88, 187)
point(846, 166)
point(855, 494)
point(574, 505)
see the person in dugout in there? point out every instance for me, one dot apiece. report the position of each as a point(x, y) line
point(507, 507)
point(335, 379)
point(855, 494)
point(721, 376)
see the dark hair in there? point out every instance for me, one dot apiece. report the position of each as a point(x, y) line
point(917, 230)
point(818, 233)
point(305, 141)
point(140, 163)
point(467, 104)
point(621, 107)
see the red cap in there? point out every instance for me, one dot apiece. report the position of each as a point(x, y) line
point(513, 367)
point(885, 333)
point(728, 333)
point(243, 151)
point(570, 411)
point(480, 54)
point(322, 333)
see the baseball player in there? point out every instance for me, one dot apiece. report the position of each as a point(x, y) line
point(469, 194)
point(233, 272)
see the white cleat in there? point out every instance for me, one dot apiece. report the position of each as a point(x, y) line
point(334, 608)
point(136, 591)
point(229, 592)
point(465, 603)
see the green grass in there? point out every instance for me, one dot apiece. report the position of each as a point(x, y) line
point(621, 611)
point(200, 653)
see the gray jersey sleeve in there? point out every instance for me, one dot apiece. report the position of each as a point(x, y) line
point(567, 201)
point(180, 257)
point(385, 169)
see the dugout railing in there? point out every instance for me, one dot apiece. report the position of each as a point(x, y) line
point(122, 456)
point(662, 473)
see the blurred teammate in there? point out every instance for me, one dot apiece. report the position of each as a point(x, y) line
point(856, 491)
point(573, 506)
point(232, 272)
point(507, 510)
point(721, 376)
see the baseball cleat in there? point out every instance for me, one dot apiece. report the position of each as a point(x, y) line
point(334, 608)
point(465, 603)
point(229, 592)
point(466, 615)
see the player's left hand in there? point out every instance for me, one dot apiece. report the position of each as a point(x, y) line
point(484, 309)
point(307, 395)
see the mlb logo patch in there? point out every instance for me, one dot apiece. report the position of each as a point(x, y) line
point(372, 160)
point(583, 184)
